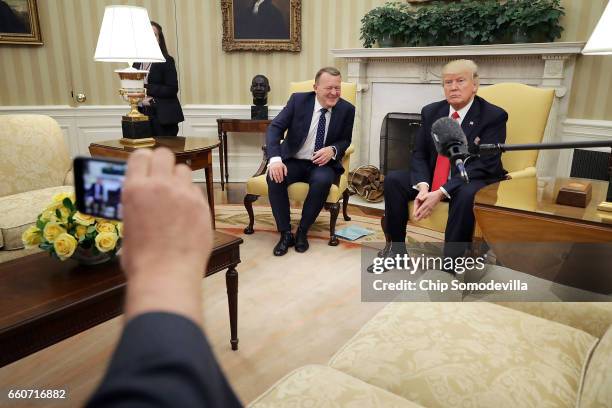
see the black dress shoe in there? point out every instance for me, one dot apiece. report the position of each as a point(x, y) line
point(389, 251)
point(286, 241)
point(301, 243)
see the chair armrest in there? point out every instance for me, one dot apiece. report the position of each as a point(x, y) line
point(264, 163)
point(526, 172)
point(69, 178)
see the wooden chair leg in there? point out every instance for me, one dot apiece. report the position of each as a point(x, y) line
point(334, 210)
point(345, 200)
point(248, 204)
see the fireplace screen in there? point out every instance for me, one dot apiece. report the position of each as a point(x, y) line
point(398, 140)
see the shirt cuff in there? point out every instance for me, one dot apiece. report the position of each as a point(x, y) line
point(335, 152)
point(445, 192)
point(416, 186)
point(275, 159)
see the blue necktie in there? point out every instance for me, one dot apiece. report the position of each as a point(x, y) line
point(320, 140)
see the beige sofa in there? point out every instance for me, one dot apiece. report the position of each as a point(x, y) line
point(464, 355)
point(35, 165)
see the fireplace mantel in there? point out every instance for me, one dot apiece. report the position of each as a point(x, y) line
point(406, 78)
point(554, 48)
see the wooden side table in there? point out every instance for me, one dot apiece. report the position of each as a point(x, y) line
point(195, 152)
point(238, 126)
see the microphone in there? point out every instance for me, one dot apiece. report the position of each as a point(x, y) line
point(450, 141)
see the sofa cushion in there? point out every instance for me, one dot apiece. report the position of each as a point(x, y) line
point(320, 386)
point(591, 317)
point(19, 211)
point(597, 388)
point(468, 354)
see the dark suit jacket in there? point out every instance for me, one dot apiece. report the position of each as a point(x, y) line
point(163, 360)
point(162, 85)
point(484, 120)
point(296, 117)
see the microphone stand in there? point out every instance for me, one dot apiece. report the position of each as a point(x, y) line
point(478, 150)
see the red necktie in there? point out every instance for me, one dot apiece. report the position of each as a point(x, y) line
point(442, 167)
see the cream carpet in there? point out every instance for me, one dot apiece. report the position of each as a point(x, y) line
point(292, 310)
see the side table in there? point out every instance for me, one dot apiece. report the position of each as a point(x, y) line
point(239, 126)
point(195, 152)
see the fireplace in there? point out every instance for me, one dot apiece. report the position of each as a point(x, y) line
point(398, 140)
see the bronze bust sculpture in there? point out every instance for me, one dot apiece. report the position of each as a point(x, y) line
point(259, 89)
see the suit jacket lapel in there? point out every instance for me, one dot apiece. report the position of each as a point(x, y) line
point(470, 121)
point(308, 116)
point(333, 122)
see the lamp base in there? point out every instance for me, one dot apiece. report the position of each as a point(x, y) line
point(142, 142)
point(135, 127)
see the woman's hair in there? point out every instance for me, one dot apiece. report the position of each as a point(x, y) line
point(162, 40)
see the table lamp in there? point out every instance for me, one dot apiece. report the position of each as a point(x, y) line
point(126, 35)
point(600, 43)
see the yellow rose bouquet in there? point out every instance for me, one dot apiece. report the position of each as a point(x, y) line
point(66, 233)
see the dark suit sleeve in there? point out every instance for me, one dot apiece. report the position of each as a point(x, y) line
point(419, 166)
point(278, 126)
point(169, 87)
point(347, 134)
point(487, 166)
point(163, 360)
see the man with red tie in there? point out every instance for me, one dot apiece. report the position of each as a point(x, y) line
point(432, 178)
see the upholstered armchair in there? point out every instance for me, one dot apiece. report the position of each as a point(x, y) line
point(257, 185)
point(35, 166)
point(528, 108)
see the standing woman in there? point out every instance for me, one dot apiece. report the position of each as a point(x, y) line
point(162, 104)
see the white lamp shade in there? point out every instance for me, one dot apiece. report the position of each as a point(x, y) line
point(126, 35)
point(600, 42)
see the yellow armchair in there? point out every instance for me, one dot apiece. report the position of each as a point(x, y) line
point(528, 109)
point(257, 185)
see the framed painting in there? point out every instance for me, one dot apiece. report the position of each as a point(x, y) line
point(19, 22)
point(261, 25)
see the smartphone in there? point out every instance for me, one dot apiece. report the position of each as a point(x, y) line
point(98, 184)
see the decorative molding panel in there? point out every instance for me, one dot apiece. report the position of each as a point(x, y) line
point(81, 126)
point(84, 125)
point(582, 130)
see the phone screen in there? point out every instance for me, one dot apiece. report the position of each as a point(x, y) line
point(98, 184)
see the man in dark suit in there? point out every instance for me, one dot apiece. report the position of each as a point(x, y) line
point(432, 178)
point(261, 20)
point(319, 129)
point(98, 194)
point(162, 358)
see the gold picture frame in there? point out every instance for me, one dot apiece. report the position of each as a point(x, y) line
point(19, 22)
point(275, 25)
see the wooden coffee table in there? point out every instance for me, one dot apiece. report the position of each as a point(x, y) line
point(44, 301)
point(195, 152)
